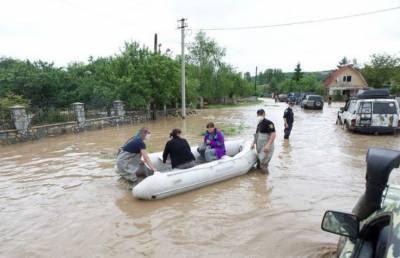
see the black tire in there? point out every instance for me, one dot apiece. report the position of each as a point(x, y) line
point(348, 127)
point(338, 121)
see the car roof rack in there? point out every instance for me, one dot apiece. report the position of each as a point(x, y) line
point(374, 94)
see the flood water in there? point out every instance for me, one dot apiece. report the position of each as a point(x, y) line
point(60, 197)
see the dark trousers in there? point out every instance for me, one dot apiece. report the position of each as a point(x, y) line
point(288, 130)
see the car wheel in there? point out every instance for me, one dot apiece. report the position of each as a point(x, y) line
point(347, 127)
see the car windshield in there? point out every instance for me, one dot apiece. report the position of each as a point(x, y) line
point(384, 108)
point(314, 98)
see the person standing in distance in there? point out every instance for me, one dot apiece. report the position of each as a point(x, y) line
point(264, 140)
point(288, 119)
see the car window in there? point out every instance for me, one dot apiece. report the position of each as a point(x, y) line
point(384, 108)
point(314, 98)
point(365, 107)
point(352, 106)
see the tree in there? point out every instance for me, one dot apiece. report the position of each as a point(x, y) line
point(382, 70)
point(247, 76)
point(11, 99)
point(308, 83)
point(207, 56)
point(298, 74)
point(135, 75)
point(273, 85)
point(343, 62)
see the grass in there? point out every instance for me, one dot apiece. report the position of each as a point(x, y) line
point(230, 130)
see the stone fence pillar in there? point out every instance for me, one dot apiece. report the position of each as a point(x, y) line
point(20, 118)
point(79, 110)
point(118, 108)
point(201, 102)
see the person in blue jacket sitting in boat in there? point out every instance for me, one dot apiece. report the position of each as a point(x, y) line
point(213, 146)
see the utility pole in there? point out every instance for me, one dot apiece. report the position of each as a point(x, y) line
point(182, 26)
point(255, 83)
point(155, 43)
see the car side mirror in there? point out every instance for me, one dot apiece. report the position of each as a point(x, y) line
point(340, 223)
point(342, 109)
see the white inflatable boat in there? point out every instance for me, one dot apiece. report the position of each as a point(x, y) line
point(239, 159)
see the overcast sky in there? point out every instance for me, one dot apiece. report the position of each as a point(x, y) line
point(63, 31)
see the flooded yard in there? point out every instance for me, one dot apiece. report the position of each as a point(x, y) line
point(60, 197)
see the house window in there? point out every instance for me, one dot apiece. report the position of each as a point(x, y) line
point(347, 78)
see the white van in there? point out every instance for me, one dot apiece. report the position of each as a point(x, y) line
point(373, 111)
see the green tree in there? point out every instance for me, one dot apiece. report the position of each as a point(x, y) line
point(298, 74)
point(344, 61)
point(247, 76)
point(382, 70)
point(207, 56)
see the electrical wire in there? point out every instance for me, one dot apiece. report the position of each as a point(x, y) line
point(303, 22)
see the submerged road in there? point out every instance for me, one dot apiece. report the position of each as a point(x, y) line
point(60, 197)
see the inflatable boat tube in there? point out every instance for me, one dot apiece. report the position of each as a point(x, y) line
point(239, 159)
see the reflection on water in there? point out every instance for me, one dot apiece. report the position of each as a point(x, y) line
point(60, 196)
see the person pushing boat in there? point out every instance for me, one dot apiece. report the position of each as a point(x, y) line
point(264, 140)
point(129, 163)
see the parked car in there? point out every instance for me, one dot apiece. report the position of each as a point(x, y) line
point(373, 227)
point(294, 97)
point(303, 95)
point(313, 101)
point(372, 111)
point(283, 97)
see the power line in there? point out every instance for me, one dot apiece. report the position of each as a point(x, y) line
point(305, 21)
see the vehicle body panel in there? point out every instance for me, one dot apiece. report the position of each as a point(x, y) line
point(370, 115)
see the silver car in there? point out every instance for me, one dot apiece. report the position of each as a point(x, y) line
point(313, 102)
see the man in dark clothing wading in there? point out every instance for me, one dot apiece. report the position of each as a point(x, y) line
point(288, 118)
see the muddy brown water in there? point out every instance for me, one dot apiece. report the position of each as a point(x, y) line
point(60, 197)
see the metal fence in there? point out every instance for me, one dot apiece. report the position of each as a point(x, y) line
point(51, 116)
point(6, 122)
